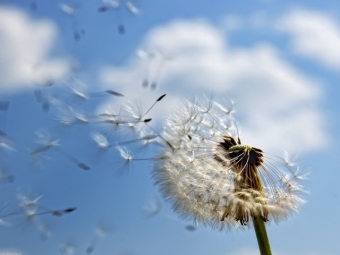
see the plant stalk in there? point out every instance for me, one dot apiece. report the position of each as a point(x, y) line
point(262, 237)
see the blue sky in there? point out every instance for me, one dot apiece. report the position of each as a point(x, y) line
point(278, 60)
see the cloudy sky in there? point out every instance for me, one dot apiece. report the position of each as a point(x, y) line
point(279, 61)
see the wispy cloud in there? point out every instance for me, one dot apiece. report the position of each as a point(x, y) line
point(25, 45)
point(278, 105)
point(314, 34)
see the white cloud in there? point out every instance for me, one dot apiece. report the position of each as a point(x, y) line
point(24, 48)
point(314, 34)
point(277, 105)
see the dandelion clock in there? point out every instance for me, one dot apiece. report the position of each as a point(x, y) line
point(212, 178)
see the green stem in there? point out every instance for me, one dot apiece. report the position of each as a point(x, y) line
point(262, 237)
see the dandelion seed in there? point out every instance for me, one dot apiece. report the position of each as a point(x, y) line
point(30, 209)
point(5, 142)
point(117, 6)
point(44, 101)
point(61, 212)
point(68, 116)
point(112, 3)
point(100, 232)
point(132, 8)
point(78, 89)
point(114, 121)
point(133, 116)
point(152, 208)
point(49, 142)
point(45, 232)
point(147, 58)
point(289, 160)
point(152, 67)
point(101, 141)
point(190, 228)
point(227, 106)
point(71, 11)
point(67, 249)
point(209, 176)
point(124, 153)
point(67, 9)
point(5, 215)
point(26, 202)
point(111, 92)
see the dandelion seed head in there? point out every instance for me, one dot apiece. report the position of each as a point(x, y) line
point(210, 177)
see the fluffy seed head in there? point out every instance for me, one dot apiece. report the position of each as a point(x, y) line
point(211, 177)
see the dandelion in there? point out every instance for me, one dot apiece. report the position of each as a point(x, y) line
point(210, 177)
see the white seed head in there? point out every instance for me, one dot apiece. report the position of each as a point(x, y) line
point(211, 178)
